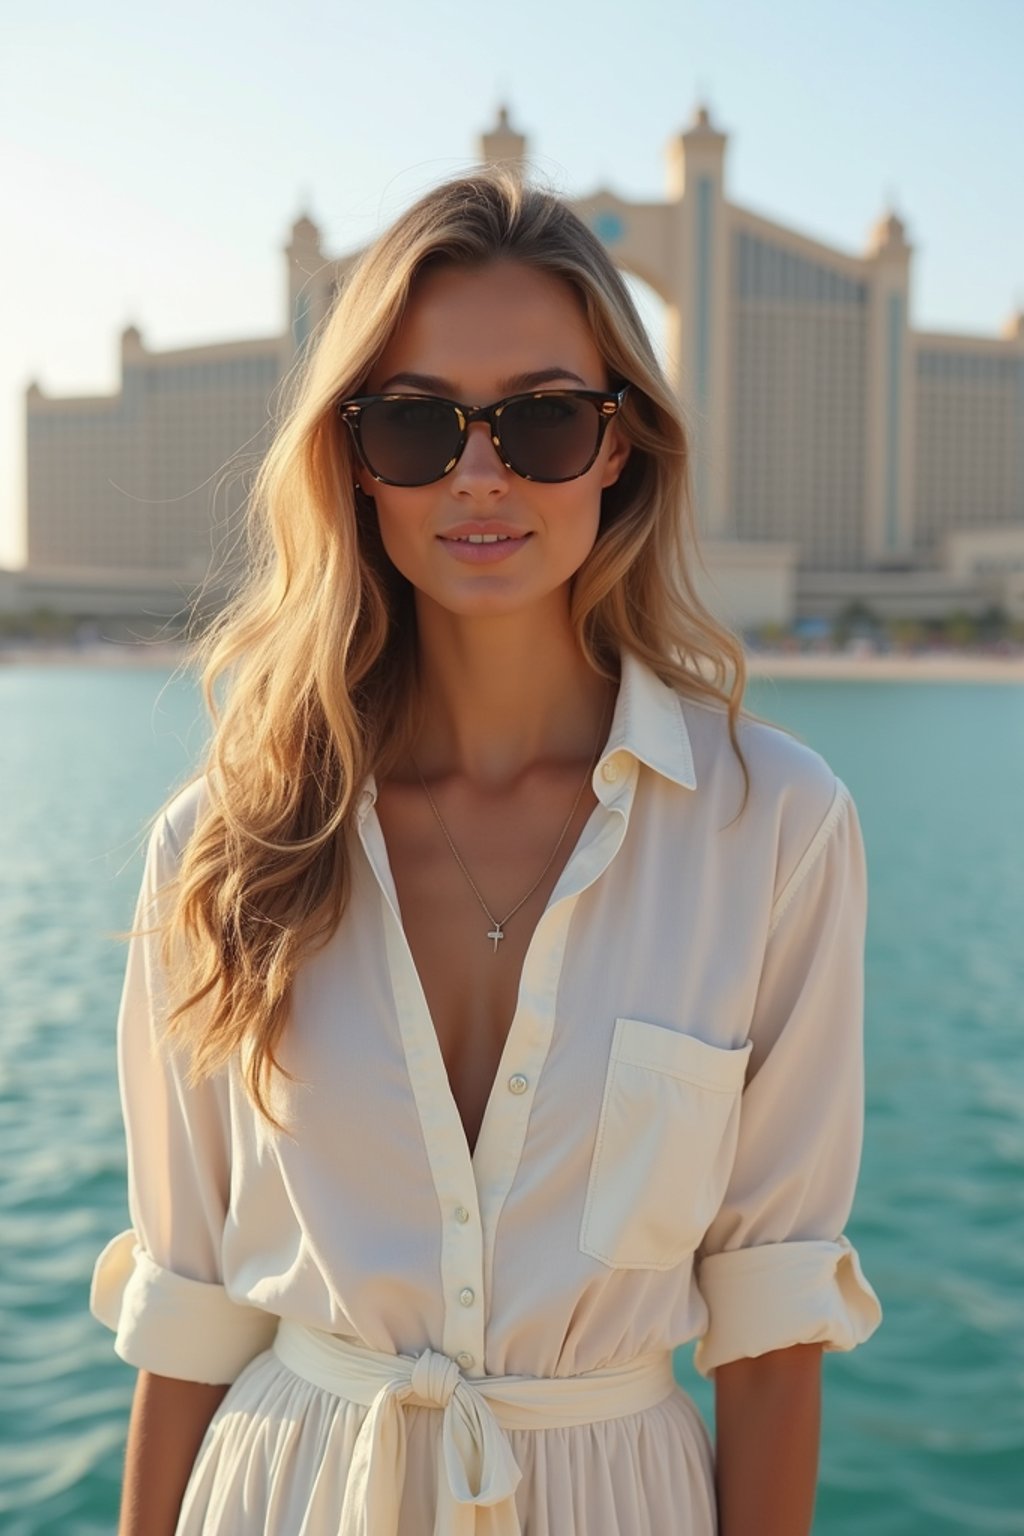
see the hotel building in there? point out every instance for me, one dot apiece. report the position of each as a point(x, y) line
point(839, 455)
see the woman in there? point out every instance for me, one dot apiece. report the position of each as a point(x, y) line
point(503, 1029)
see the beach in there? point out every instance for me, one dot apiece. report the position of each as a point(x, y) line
point(890, 666)
point(853, 665)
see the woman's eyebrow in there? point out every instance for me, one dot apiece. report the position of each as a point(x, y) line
point(507, 386)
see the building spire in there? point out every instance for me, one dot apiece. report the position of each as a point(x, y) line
point(503, 144)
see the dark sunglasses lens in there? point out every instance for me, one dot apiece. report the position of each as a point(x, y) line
point(409, 441)
point(551, 437)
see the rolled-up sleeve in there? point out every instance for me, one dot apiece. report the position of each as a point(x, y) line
point(159, 1285)
point(775, 1267)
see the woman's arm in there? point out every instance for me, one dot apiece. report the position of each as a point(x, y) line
point(767, 1430)
point(160, 1285)
point(168, 1421)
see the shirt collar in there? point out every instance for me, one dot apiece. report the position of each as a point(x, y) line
point(647, 722)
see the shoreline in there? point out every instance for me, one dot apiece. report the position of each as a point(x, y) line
point(891, 666)
point(830, 666)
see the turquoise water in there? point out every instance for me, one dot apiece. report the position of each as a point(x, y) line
point(923, 1426)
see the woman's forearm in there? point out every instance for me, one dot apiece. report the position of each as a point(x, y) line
point(168, 1421)
point(767, 1433)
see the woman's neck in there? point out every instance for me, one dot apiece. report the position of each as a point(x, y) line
point(504, 694)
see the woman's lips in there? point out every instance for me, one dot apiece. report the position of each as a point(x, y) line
point(483, 554)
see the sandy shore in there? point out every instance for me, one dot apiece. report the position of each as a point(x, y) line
point(920, 667)
point(859, 666)
point(90, 655)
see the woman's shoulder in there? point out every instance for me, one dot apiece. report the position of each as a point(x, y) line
point(792, 784)
point(182, 814)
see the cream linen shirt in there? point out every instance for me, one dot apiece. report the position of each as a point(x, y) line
point(671, 1144)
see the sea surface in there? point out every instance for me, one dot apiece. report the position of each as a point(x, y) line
point(923, 1426)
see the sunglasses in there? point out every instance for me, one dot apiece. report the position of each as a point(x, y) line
point(548, 435)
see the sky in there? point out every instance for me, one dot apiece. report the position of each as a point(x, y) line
point(153, 158)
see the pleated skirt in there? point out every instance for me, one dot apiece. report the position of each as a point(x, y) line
point(276, 1455)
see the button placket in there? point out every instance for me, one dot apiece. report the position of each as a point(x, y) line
point(501, 1144)
point(462, 1240)
point(462, 1266)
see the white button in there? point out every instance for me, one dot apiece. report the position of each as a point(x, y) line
point(517, 1083)
point(461, 1214)
point(464, 1358)
point(467, 1296)
point(610, 770)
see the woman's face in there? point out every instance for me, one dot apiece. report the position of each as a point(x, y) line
point(475, 333)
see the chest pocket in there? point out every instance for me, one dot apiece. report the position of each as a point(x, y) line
point(666, 1139)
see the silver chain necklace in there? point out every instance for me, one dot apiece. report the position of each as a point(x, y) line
point(496, 933)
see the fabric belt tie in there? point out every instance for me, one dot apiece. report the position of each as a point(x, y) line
point(476, 1467)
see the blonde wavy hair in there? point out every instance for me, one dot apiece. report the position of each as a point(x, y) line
point(318, 644)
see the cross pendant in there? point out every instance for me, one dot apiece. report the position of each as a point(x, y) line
point(496, 934)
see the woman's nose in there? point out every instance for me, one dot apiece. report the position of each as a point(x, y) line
point(479, 459)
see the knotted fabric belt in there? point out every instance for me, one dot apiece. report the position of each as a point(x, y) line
point(476, 1466)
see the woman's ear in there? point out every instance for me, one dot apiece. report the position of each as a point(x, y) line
point(617, 456)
